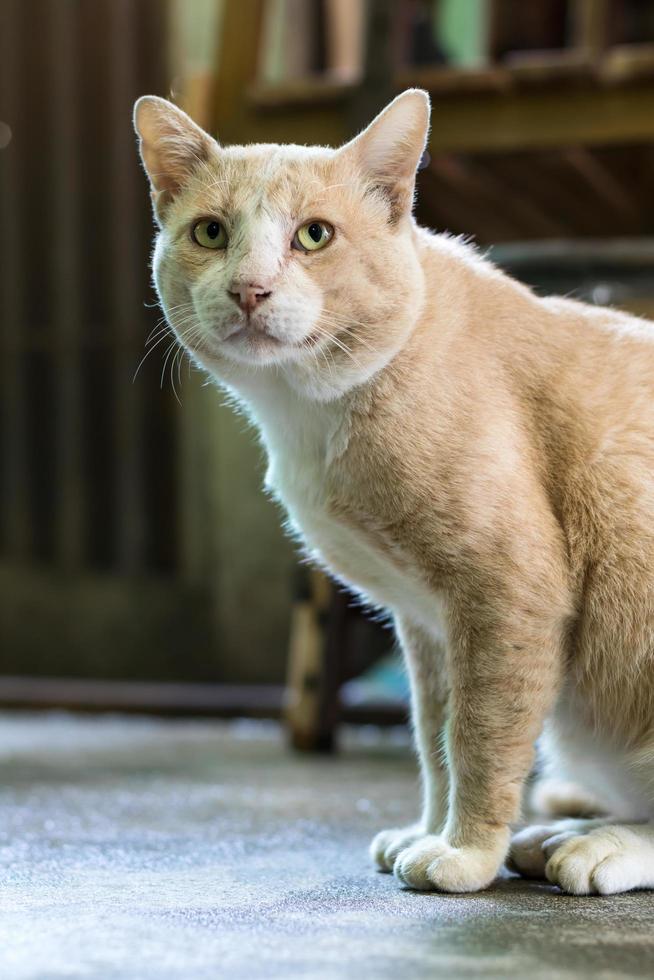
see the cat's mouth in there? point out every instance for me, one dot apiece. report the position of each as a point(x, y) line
point(249, 341)
point(251, 336)
point(253, 340)
point(256, 338)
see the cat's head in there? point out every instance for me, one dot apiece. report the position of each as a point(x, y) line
point(300, 260)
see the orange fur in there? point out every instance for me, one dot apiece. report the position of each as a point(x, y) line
point(471, 457)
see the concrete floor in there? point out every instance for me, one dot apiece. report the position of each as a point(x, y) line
point(135, 848)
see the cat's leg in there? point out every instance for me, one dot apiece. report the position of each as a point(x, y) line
point(504, 669)
point(425, 658)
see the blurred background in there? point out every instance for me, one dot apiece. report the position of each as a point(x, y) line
point(141, 567)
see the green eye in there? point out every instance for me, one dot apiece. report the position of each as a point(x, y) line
point(209, 234)
point(313, 236)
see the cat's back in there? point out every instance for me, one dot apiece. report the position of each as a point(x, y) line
point(593, 368)
point(591, 363)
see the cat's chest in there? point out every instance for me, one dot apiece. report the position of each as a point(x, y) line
point(303, 473)
point(300, 473)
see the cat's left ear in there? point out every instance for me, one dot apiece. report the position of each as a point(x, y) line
point(172, 146)
point(388, 151)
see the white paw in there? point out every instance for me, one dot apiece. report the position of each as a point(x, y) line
point(386, 846)
point(529, 847)
point(602, 862)
point(431, 864)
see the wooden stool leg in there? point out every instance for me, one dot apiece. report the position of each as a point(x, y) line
point(315, 664)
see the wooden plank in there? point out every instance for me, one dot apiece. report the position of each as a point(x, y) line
point(614, 194)
point(176, 700)
point(303, 124)
point(194, 454)
point(307, 660)
point(383, 22)
point(344, 34)
point(237, 118)
point(39, 338)
point(439, 208)
point(590, 27)
point(196, 510)
point(15, 527)
point(311, 90)
point(198, 95)
point(238, 62)
point(104, 626)
point(529, 118)
point(626, 62)
point(555, 188)
point(478, 186)
point(127, 295)
point(65, 270)
point(71, 693)
point(565, 65)
point(538, 118)
point(443, 80)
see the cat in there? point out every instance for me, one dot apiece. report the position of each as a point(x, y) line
point(474, 459)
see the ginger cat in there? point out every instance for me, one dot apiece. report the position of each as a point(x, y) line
point(474, 459)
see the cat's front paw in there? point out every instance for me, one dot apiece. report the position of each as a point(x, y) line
point(431, 864)
point(386, 846)
point(604, 861)
point(531, 846)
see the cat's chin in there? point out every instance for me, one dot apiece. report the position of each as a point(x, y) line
point(257, 349)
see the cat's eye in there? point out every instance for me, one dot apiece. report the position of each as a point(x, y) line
point(209, 234)
point(313, 236)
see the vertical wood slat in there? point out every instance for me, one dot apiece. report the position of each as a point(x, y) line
point(238, 62)
point(376, 89)
point(128, 299)
point(14, 468)
point(65, 270)
point(193, 457)
point(590, 27)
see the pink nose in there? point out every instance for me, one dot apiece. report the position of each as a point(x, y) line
point(247, 295)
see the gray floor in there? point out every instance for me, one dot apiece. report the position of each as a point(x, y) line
point(138, 848)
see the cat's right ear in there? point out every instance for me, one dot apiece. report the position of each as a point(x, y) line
point(172, 146)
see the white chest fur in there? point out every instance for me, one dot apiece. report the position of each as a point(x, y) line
point(304, 440)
